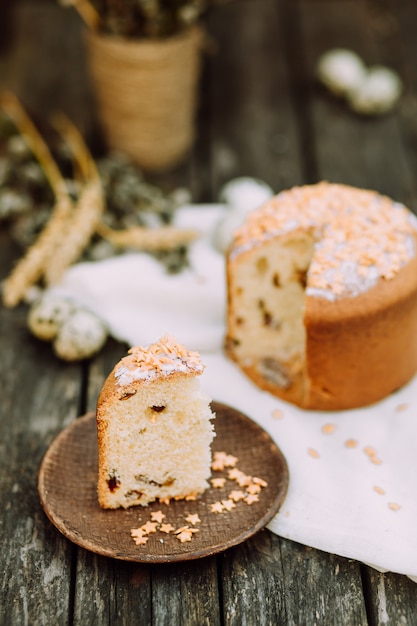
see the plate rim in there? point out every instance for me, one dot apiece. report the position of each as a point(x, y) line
point(143, 557)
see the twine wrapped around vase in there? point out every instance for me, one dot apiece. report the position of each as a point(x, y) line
point(146, 93)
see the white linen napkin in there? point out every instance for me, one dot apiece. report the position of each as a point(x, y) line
point(353, 474)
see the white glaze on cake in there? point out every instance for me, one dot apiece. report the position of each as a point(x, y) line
point(159, 359)
point(360, 236)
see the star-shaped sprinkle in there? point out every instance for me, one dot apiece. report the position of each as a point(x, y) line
point(244, 480)
point(166, 528)
point(140, 541)
point(230, 460)
point(228, 505)
point(149, 527)
point(164, 500)
point(137, 533)
point(216, 507)
point(236, 495)
point(193, 518)
point(185, 533)
point(222, 460)
point(251, 498)
point(253, 488)
point(184, 536)
point(259, 481)
point(157, 516)
point(234, 474)
point(218, 483)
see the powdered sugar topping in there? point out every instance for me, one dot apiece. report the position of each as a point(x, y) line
point(159, 359)
point(360, 236)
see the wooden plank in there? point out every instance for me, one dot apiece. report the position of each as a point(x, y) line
point(321, 588)
point(186, 594)
point(352, 149)
point(252, 582)
point(270, 580)
point(44, 65)
point(392, 598)
point(39, 396)
point(111, 592)
point(396, 24)
point(252, 125)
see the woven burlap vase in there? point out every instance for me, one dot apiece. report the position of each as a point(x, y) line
point(146, 94)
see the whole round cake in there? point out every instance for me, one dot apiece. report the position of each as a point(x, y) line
point(322, 296)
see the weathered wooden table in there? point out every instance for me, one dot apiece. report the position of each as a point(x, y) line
point(261, 114)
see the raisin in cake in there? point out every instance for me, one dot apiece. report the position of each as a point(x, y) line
point(154, 427)
point(322, 296)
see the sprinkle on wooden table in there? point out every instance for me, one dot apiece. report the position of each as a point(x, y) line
point(259, 481)
point(244, 480)
point(137, 533)
point(157, 516)
point(140, 541)
point(234, 473)
point(236, 495)
point(184, 536)
point(219, 461)
point(251, 498)
point(218, 483)
point(166, 528)
point(216, 507)
point(193, 518)
point(228, 505)
point(149, 527)
point(313, 453)
point(230, 460)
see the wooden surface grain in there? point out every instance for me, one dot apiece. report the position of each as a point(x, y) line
point(262, 114)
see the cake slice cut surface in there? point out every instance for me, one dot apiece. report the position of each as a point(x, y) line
point(154, 426)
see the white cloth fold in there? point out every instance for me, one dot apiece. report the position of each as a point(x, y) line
point(353, 474)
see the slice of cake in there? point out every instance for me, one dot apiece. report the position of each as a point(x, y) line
point(154, 427)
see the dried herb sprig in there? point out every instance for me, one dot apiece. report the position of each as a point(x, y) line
point(31, 267)
point(88, 210)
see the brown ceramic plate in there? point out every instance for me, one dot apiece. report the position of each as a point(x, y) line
point(67, 488)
